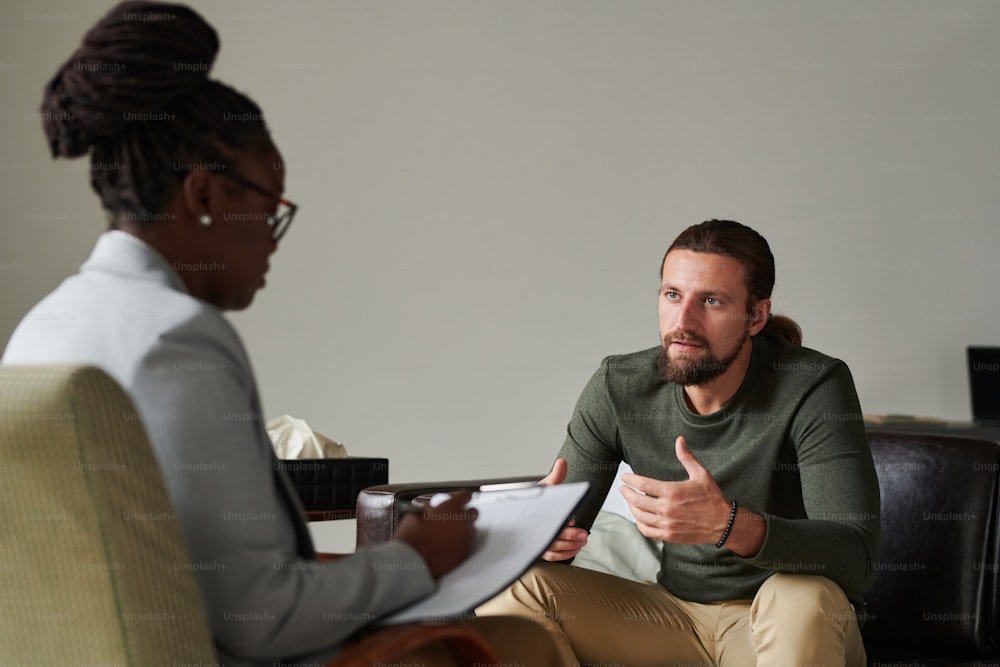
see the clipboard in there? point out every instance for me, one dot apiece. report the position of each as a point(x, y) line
point(513, 529)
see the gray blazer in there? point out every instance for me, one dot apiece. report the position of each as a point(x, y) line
point(128, 312)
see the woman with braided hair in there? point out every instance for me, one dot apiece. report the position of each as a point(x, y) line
point(192, 185)
point(169, 147)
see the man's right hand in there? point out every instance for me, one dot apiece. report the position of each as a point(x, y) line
point(442, 535)
point(569, 542)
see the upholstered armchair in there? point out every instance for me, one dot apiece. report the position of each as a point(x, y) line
point(84, 584)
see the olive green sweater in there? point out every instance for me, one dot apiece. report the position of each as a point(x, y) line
point(790, 445)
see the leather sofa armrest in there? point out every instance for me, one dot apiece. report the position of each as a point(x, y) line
point(379, 507)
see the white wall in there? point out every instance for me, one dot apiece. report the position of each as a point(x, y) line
point(487, 188)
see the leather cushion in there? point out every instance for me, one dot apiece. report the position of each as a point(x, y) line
point(934, 585)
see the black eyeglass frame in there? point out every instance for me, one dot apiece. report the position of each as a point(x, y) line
point(279, 224)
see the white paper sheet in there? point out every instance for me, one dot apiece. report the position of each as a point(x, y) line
point(513, 529)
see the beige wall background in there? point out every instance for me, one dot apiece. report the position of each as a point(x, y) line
point(487, 188)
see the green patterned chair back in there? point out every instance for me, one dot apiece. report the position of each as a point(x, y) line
point(93, 565)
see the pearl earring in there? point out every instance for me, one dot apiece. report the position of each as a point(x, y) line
point(205, 219)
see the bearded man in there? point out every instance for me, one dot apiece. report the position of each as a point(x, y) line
point(750, 463)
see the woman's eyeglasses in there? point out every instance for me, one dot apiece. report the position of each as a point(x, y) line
point(281, 219)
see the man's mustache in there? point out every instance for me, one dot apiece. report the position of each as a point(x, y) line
point(684, 337)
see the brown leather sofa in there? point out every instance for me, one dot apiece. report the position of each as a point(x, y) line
point(935, 601)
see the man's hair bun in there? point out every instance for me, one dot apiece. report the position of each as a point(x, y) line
point(134, 63)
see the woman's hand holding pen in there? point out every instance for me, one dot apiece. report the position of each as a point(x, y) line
point(571, 539)
point(443, 534)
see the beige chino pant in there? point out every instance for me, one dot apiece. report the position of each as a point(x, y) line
point(598, 619)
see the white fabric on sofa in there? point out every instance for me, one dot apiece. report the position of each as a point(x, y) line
point(615, 545)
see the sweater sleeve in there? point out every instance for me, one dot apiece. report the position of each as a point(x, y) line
point(839, 539)
point(592, 448)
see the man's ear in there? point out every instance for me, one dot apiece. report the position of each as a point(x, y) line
point(197, 189)
point(760, 312)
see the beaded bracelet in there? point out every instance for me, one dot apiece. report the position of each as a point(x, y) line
point(729, 526)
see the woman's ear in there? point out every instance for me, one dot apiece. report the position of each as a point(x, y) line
point(197, 189)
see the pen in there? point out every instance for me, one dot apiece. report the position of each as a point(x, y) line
point(408, 506)
point(405, 506)
point(507, 486)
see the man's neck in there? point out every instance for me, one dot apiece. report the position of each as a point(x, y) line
point(704, 399)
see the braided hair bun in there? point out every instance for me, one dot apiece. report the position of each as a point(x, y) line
point(136, 60)
point(136, 96)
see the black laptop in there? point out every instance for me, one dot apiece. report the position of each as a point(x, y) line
point(984, 384)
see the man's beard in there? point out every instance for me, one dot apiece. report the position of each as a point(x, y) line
point(700, 370)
